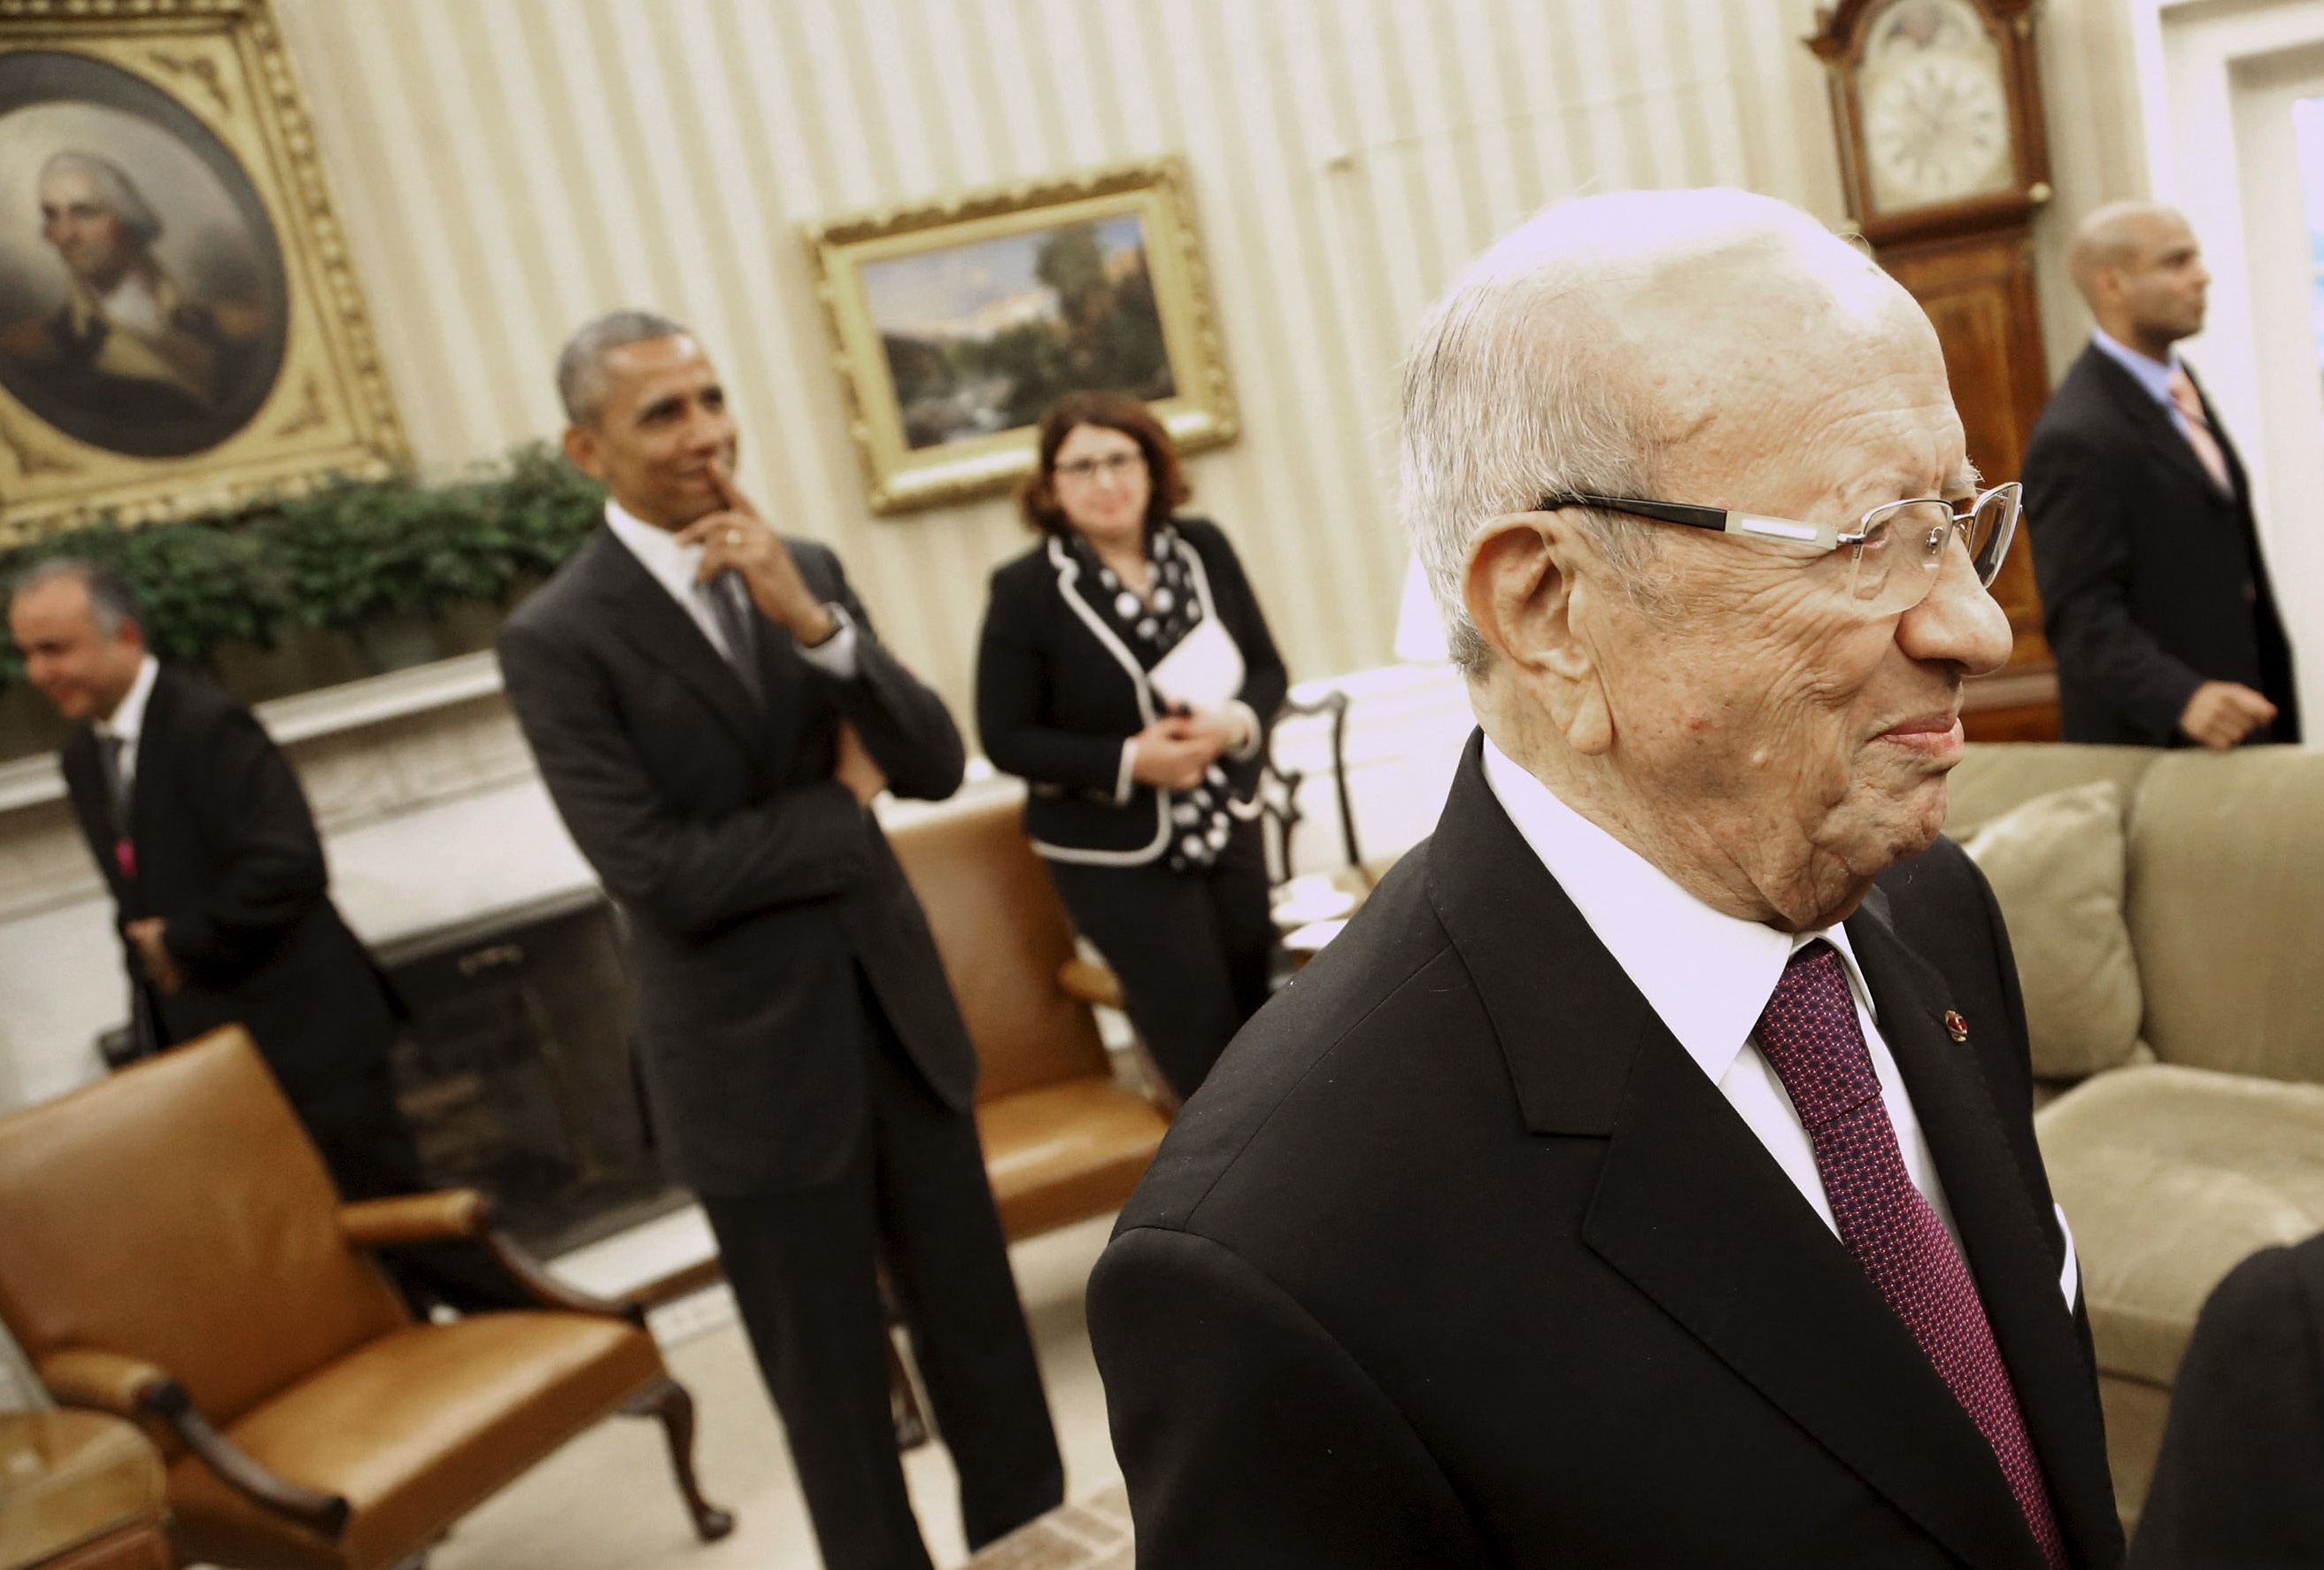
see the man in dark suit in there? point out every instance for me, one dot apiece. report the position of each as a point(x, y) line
point(713, 715)
point(1633, 1183)
point(205, 840)
point(2240, 1483)
point(2155, 590)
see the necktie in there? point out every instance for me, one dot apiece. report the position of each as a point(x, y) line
point(1810, 1037)
point(109, 748)
point(2198, 429)
point(738, 620)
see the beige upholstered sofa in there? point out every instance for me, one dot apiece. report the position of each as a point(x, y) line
point(2181, 1041)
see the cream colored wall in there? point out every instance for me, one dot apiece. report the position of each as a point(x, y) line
point(506, 168)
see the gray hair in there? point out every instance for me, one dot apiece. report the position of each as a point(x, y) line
point(116, 191)
point(1521, 384)
point(111, 602)
point(581, 363)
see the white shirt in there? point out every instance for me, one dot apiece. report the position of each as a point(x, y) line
point(134, 304)
point(674, 567)
point(1709, 975)
point(127, 719)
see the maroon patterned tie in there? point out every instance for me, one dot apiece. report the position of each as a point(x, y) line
point(1810, 1037)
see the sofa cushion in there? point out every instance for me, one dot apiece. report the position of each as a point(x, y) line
point(2056, 864)
point(2226, 898)
point(1993, 777)
point(2169, 1177)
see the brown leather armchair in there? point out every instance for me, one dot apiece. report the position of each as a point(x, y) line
point(175, 1253)
point(1062, 1140)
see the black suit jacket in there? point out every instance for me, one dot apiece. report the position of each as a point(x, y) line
point(2239, 1483)
point(228, 854)
point(756, 888)
point(2152, 578)
point(1457, 1258)
point(1055, 697)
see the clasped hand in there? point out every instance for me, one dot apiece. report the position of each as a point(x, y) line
point(1175, 751)
point(735, 538)
point(161, 966)
point(2221, 713)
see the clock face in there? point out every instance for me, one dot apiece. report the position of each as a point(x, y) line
point(1936, 112)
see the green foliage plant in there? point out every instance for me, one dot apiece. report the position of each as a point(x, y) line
point(337, 556)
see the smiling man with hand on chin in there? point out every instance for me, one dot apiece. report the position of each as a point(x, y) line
point(713, 715)
point(1647, 1176)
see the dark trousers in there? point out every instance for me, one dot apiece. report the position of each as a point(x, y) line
point(1192, 949)
point(804, 1269)
point(368, 1148)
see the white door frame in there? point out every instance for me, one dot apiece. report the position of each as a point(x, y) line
point(2203, 66)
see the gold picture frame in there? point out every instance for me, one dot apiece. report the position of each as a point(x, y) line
point(955, 322)
point(180, 328)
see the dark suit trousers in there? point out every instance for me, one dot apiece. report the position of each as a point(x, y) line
point(1192, 949)
point(368, 1148)
point(804, 1269)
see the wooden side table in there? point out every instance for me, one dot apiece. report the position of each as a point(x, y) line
point(80, 1490)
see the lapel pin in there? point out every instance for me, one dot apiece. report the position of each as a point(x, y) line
point(1955, 1026)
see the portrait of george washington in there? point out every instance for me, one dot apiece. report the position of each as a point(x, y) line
point(143, 301)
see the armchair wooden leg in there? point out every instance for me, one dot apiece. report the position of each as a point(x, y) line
point(668, 1399)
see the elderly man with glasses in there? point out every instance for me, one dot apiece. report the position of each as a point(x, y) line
point(1647, 1176)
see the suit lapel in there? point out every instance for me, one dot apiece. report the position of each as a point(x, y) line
point(1690, 1209)
point(2007, 1241)
point(1696, 1214)
point(652, 622)
point(2161, 431)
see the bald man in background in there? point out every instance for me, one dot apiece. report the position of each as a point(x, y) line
point(2154, 592)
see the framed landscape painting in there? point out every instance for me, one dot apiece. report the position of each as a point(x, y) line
point(178, 324)
point(955, 325)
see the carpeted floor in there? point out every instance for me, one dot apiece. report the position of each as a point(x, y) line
point(605, 1502)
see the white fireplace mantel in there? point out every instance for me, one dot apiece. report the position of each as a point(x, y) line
point(430, 808)
point(436, 822)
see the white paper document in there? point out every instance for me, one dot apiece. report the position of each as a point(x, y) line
point(1203, 673)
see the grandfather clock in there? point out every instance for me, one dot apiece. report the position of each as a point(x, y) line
point(1939, 109)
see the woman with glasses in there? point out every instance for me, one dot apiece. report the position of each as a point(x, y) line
point(1127, 673)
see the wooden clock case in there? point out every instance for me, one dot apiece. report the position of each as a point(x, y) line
point(1971, 265)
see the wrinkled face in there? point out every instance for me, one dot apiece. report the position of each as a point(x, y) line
point(1101, 484)
point(86, 233)
point(84, 673)
point(2164, 285)
point(1801, 739)
point(660, 426)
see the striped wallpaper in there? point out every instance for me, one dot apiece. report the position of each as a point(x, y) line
point(507, 168)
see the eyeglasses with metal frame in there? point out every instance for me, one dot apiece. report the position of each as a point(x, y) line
point(1911, 532)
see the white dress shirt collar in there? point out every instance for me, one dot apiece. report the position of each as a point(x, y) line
point(127, 720)
point(672, 565)
point(2155, 375)
point(1708, 974)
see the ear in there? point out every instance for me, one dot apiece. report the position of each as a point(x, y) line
point(1530, 586)
point(581, 448)
point(2106, 287)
